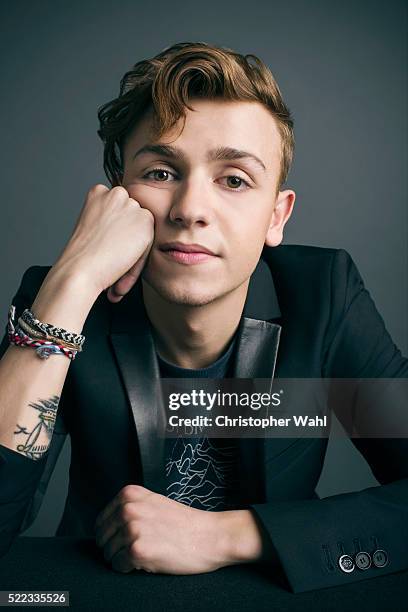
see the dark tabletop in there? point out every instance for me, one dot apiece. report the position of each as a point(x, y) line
point(77, 566)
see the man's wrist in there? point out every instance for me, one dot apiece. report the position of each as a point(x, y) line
point(241, 538)
point(64, 299)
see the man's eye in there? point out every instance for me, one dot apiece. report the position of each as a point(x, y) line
point(162, 174)
point(159, 171)
point(234, 182)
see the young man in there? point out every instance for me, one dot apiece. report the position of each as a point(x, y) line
point(177, 271)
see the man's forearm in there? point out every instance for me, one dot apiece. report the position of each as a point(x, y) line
point(31, 387)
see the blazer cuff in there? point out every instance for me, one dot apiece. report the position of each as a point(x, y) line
point(310, 536)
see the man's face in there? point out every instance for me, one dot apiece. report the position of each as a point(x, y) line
point(226, 206)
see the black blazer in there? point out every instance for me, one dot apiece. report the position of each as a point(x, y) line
point(310, 318)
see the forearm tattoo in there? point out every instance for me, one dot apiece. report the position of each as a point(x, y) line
point(38, 439)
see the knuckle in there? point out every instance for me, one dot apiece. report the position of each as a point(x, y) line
point(147, 217)
point(125, 493)
point(98, 188)
point(132, 530)
point(134, 549)
point(136, 489)
point(134, 203)
point(126, 512)
point(129, 489)
point(147, 213)
point(119, 191)
point(138, 551)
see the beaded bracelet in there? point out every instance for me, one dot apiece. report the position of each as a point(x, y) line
point(44, 348)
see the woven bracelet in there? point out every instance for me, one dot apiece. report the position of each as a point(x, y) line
point(43, 347)
point(51, 330)
point(32, 333)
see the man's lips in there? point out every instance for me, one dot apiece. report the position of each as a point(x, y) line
point(185, 248)
point(187, 253)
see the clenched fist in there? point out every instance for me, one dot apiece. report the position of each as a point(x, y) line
point(141, 529)
point(111, 241)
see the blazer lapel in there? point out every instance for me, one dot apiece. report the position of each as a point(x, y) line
point(133, 345)
point(256, 354)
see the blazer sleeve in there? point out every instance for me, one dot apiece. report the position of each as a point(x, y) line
point(23, 481)
point(311, 536)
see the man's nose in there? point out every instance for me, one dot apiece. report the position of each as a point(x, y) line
point(191, 204)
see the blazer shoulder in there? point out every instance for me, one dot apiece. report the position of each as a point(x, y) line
point(305, 274)
point(35, 274)
point(299, 264)
point(302, 256)
point(30, 284)
point(31, 281)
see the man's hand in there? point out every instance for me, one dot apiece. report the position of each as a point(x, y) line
point(145, 530)
point(110, 243)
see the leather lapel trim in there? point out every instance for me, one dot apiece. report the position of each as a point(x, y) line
point(256, 354)
point(257, 349)
point(136, 358)
point(138, 366)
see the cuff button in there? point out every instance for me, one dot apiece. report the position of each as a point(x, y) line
point(346, 563)
point(380, 558)
point(362, 560)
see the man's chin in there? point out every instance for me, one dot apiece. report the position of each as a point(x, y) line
point(180, 294)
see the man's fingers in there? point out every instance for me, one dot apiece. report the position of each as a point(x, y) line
point(112, 295)
point(118, 540)
point(126, 495)
point(125, 283)
point(121, 561)
point(107, 530)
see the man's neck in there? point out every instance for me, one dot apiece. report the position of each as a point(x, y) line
point(193, 336)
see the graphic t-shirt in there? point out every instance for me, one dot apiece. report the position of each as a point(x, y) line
point(202, 472)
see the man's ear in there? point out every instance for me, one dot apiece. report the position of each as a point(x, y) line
point(281, 213)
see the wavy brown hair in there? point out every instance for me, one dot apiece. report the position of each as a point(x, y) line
point(170, 80)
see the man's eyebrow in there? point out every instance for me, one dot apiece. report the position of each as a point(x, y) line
point(219, 153)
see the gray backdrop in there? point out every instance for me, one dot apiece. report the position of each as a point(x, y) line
point(342, 69)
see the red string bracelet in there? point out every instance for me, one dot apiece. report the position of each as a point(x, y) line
point(43, 348)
